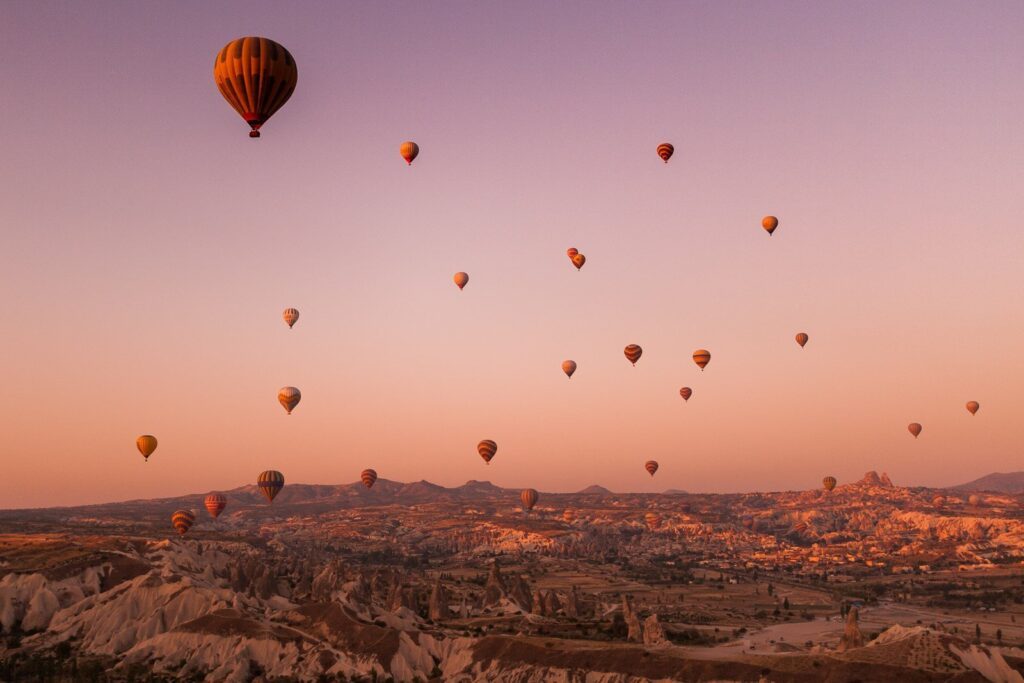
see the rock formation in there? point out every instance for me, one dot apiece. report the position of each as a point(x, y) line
point(635, 632)
point(852, 637)
point(654, 634)
point(437, 608)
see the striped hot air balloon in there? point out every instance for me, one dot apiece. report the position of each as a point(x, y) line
point(569, 367)
point(686, 393)
point(289, 397)
point(651, 466)
point(528, 497)
point(633, 353)
point(571, 251)
point(369, 477)
point(769, 223)
point(146, 445)
point(256, 76)
point(487, 449)
point(182, 520)
point(291, 316)
point(701, 357)
point(937, 501)
point(409, 151)
point(653, 520)
point(270, 484)
point(215, 503)
point(829, 483)
point(914, 428)
point(461, 279)
point(665, 151)
point(578, 260)
point(801, 338)
point(972, 407)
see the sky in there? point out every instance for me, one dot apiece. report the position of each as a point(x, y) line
point(148, 246)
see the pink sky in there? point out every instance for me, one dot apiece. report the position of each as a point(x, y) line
point(148, 245)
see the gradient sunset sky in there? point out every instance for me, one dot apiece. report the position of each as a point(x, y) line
point(148, 246)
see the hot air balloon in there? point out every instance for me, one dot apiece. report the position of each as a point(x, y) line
point(528, 497)
point(256, 76)
point(801, 338)
point(291, 316)
point(914, 428)
point(653, 520)
point(571, 252)
point(569, 515)
point(974, 499)
point(829, 483)
point(487, 449)
point(270, 484)
point(701, 357)
point(146, 445)
point(461, 279)
point(569, 367)
point(651, 466)
point(215, 503)
point(289, 397)
point(409, 151)
point(182, 520)
point(769, 223)
point(686, 393)
point(578, 260)
point(937, 501)
point(369, 477)
point(633, 353)
point(972, 407)
point(665, 151)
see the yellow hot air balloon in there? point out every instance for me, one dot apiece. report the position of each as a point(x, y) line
point(215, 504)
point(686, 393)
point(528, 497)
point(972, 407)
point(914, 429)
point(569, 367)
point(182, 521)
point(291, 316)
point(368, 477)
point(571, 252)
point(461, 279)
point(633, 353)
point(829, 483)
point(578, 260)
point(801, 338)
point(270, 484)
point(487, 449)
point(702, 357)
point(146, 445)
point(651, 466)
point(665, 151)
point(409, 151)
point(256, 76)
point(769, 223)
point(289, 397)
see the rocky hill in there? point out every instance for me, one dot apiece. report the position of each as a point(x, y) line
point(1001, 482)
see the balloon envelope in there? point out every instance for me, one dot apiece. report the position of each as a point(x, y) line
point(528, 497)
point(461, 279)
point(801, 338)
point(769, 223)
point(215, 503)
point(701, 357)
point(972, 407)
point(289, 397)
point(256, 76)
point(182, 521)
point(569, 367)
point(487, 449)
point(686, 393)
point(665, 151)
point(829, 483)
point(653, 520)
point(270, 484)
point(651, 466)
point(146, 445)
point(291, 316)
point(914, 428)
point(633, 353)
point(409, 151)
point(368, 477)
point(578, 260)
point(571, 251)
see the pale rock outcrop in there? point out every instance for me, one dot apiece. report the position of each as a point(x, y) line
point(852, 637)
point(437, 609)
point(635, 632)
point(654, 634)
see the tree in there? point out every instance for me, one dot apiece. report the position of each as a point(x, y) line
point(771, 589)
point(999, 636)
point(785, 604)
point(977, 633)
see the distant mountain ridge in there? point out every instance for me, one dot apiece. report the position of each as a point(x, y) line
point(1001, 482)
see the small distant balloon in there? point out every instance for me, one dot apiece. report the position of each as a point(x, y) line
point(528, 497)
point(829, 483)
point(569, 515)
point(801, 338)
point(568, 367)
point(487, 449)
point(701, 357)
point(686, 393)
point(146, 445)
point(769, 223)
point(291, 316)
point(578, 260)
point(461, 279)
point(914, 428)
point(289, 397)
point(665, 151)
point(270, 484)
point(409, 151)
point(974, 499)
point(651, 466)
point(182, 520)
point(633, 353)
point(571, 252)
point(368, 477)
point(653, 520)
point(972, 407)
point(215, 503)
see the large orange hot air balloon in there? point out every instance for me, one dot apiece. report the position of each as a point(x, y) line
point(528, 497)
point(256, 76)
point(829, 483)
point(409, 151)
point(146, 445)
point(972, 407)
point(291, 316)
point(665, 151)
point(769, 223)
point(270, 484)
point(487, 449)
point(633, 353)
point(571, 251)
point(461, 279)
point(569, 367)
point(653, 520)
point(182, 520)
point(701, 357)
point(686, 393)
point(801, 338)
point(914, 429)
point(368, 477)
point(215, 503)
point(651, 466)
point(289, 397)
point(578, 260)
